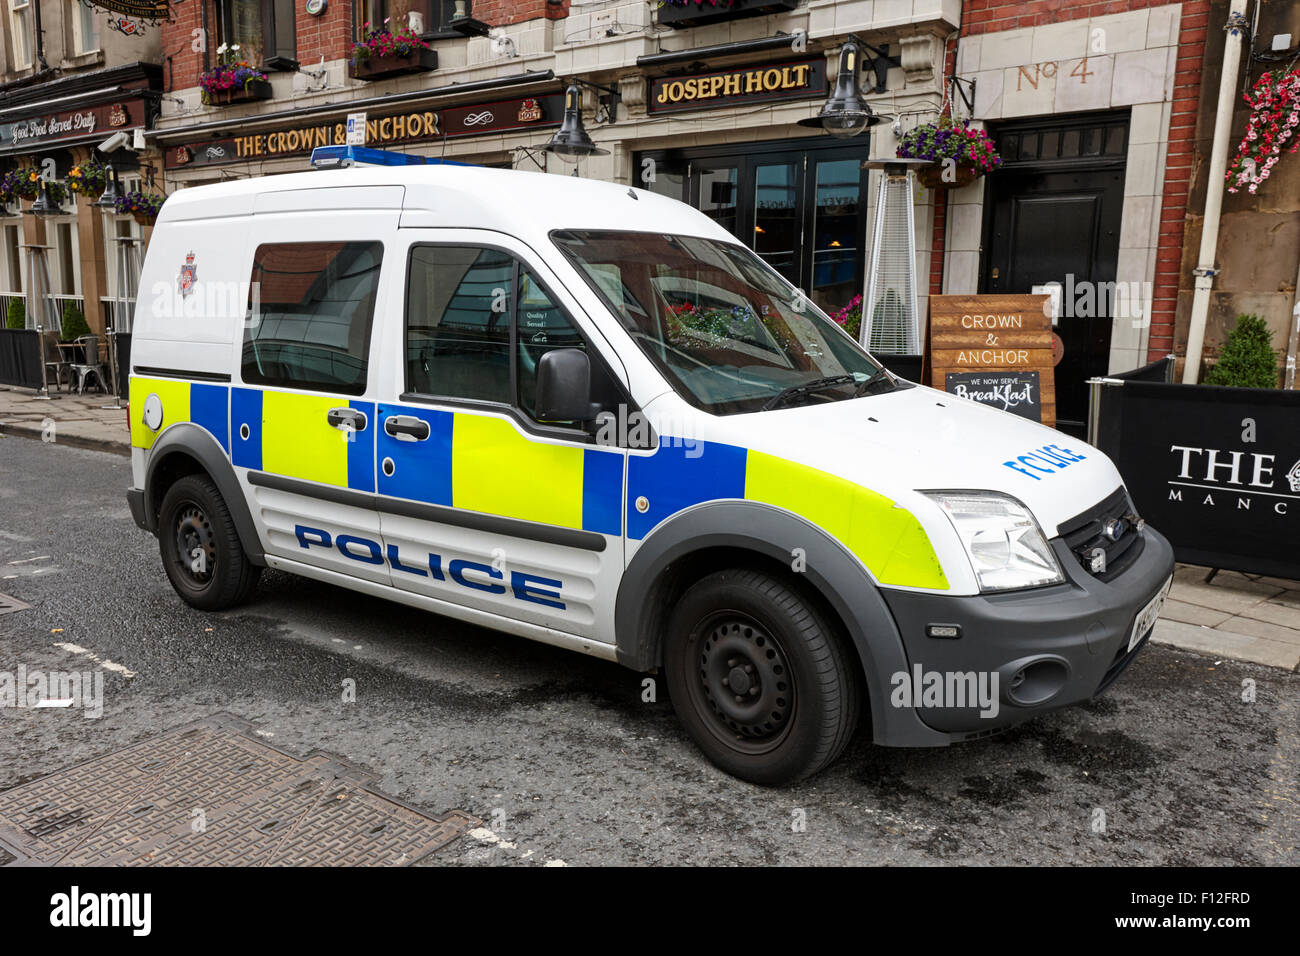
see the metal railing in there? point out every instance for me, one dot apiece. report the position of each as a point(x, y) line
point(59, 302)
point(118, 312)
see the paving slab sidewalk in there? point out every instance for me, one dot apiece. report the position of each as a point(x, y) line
point(1226, 614)
point(66, 417)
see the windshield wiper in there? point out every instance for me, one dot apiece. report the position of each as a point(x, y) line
point(880, 375)
point(816, 385)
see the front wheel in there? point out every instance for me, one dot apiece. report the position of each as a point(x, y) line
point(759, 677)
point(201, 552)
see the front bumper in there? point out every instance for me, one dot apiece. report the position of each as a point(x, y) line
point(1067, 643)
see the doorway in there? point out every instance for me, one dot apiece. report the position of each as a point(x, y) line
point(1052, 214)
point(800, 204)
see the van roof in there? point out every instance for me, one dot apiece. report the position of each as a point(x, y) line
point(514, 202)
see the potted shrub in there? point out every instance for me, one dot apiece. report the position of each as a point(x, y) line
point(382, 53)
point(142, 206)
point(1248, 359)
point(233, 80)
point(74, 327)
point(17, 316)
point(680, 14)
point(970, 151)
point(88, 178)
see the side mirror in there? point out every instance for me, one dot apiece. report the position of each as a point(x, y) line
point(564, 387)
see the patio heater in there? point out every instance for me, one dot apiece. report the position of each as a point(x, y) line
point(891, 317)
point(119, 314)
point(41, 314)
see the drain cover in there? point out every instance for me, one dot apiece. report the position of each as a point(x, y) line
point(8, 605)
point(211, 794)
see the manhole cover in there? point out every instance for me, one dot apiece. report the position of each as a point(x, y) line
point(211, 794)
point(8, 605)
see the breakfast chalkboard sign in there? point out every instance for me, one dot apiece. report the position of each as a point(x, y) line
point(996, 350)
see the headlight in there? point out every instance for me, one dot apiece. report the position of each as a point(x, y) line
point(1002, 539)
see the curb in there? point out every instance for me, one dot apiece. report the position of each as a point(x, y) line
point(34, 433)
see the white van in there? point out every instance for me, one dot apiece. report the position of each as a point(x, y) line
point(585, 414)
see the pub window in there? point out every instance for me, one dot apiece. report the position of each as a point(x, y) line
point(85, 27)
point(263, 30)
point(311, 325)
point(440, 13)
point(372, 12)
point(20, 33)
point(12, 278)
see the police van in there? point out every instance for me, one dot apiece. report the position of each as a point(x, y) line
point(585, 414)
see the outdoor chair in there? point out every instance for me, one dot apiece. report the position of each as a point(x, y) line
point(56, 366)
point(90, 366)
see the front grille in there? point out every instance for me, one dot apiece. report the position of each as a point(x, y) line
point(1087, 532)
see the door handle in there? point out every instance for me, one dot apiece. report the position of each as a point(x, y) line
point(407, 428)
point(347, 418)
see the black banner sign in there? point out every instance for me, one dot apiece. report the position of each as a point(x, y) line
point(1216, 470)
point(1015, 392)
point(766, 83)
point(413, 126)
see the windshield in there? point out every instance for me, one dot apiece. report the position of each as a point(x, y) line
point(728, 333)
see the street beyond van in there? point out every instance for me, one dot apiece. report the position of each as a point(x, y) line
point(586, 415)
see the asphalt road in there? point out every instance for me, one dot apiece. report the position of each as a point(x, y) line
point(560, 757)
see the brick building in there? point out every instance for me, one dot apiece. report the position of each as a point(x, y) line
point(68, 80)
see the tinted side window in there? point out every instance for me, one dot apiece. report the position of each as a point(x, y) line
point(458, 322)
point(310, 315)
point(542, 326)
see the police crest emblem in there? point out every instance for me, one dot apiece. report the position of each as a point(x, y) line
point(189, 275)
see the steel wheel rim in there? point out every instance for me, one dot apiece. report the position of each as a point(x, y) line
point(193, 534)
point(741, 682)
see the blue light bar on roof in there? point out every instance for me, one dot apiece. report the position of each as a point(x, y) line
point(339, 157)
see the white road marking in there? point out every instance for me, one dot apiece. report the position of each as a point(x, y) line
point(486, 836)
point(101, 661)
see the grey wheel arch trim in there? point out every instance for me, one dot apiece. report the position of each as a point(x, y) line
point(831, 569)
point(196, 442)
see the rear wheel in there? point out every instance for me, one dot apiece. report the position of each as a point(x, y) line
point(759, 677)
point(201, 552)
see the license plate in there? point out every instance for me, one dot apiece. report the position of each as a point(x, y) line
point(1146, 618)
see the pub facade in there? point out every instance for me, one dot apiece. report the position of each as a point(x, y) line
point(701, 103)
point(71, 76)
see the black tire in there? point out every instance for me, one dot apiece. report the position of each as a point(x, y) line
point(799, 691)
point(201, 552)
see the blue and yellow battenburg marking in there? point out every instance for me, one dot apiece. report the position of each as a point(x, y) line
point(196, 402)
point(886, 538)
point(486, 464)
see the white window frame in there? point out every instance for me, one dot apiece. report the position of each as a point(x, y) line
point(81, 14)
point(20, 32)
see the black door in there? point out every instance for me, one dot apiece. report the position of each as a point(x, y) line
point(1052, 215)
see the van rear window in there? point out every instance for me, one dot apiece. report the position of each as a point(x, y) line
point(311, 306)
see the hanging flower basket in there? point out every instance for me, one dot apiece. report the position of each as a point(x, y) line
point(680, 14)
point(383, 54)
point(1274, 101)
point(233, 80)
point(88, 178)
point(143, 207)
point(25, 183)
point(931, 177)
point(971, 150)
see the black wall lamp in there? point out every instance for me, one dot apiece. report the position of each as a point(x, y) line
point(571, 141)
point(42, 208)
point(846, 113)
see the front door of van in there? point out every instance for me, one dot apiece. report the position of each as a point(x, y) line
point(303, 411)
point(483, 506)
